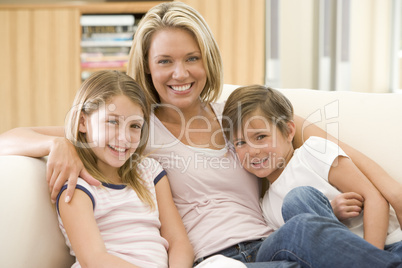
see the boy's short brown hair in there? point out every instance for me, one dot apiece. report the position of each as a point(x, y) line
point(247, 100)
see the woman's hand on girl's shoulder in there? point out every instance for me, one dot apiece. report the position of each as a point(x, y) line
point(63, 165)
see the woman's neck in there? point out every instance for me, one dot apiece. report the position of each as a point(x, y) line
point(175, 115)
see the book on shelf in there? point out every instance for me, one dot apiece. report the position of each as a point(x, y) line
point(107, 20)
point(99, 57)
point(103, 64)
point(106, 41)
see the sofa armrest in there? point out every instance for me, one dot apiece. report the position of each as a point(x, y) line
point(29, 232)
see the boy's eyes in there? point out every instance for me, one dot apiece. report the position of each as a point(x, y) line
point(239, 143)
point(260, 137)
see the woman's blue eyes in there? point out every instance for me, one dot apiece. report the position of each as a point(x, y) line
point(163, 61)
point(191, 59)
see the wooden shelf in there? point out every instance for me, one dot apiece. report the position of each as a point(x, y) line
point(40, 66)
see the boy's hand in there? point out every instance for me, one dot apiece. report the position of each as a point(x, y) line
point(347, 205)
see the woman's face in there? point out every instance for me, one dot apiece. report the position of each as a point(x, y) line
point(176, 67)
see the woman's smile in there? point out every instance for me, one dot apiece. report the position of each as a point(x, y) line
point(177, 69)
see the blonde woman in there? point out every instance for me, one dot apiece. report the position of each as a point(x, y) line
point(177, 62)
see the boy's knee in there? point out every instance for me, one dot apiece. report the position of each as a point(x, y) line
point(305, 199)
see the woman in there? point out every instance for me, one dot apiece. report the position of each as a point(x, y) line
point(175, 59)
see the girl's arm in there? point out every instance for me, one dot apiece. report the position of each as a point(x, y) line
point(345, 176)
point(83, 233)
point(63, 162)
point(180, 250)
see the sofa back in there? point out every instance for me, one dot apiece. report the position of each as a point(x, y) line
point(369, 122)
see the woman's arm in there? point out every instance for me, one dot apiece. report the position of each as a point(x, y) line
point(34, 142)
point(388, 187)
point(63, 162)
point(345, 176)
point(180, 250)
point(83, 233)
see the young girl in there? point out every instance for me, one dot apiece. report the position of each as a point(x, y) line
point(259, 122)
point(130, 220)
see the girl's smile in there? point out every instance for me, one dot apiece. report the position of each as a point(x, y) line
point(113, 131)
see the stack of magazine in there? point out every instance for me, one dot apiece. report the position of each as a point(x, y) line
point(105, 42)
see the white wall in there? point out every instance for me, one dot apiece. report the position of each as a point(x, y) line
point(370, 43)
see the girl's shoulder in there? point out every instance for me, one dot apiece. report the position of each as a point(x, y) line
point(148, 162)
point(150, 169)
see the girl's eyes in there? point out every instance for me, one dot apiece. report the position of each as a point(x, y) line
point(113, 122)
point(136, 126)
point(260, 137)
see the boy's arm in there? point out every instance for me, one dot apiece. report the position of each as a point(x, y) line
point(374, 172)
point(83, 233)
point(172, 229)
point(345, 176)
point(63, 162)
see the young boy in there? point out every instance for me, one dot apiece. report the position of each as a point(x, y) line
point(259, 122)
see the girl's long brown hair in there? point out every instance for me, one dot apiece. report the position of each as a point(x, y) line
point(97, 90)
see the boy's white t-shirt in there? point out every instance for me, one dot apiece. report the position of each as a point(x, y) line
point(310, 166)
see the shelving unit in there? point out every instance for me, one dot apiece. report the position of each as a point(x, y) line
point(106, 41)
point(40, 52)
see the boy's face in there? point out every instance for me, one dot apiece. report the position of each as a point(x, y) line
point(262, 148)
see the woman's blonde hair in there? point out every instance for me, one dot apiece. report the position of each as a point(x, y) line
point(96, 91)
point(246, 101)
point(175, 15)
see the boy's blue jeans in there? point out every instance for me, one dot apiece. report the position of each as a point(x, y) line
point(313, 237)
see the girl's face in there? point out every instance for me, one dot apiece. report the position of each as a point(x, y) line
point(176, 67)
point(262, 148)
point(113, 131)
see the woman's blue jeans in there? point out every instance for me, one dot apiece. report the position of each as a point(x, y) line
point(313, 237)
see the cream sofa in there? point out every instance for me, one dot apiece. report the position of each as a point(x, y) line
point(29, 234)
